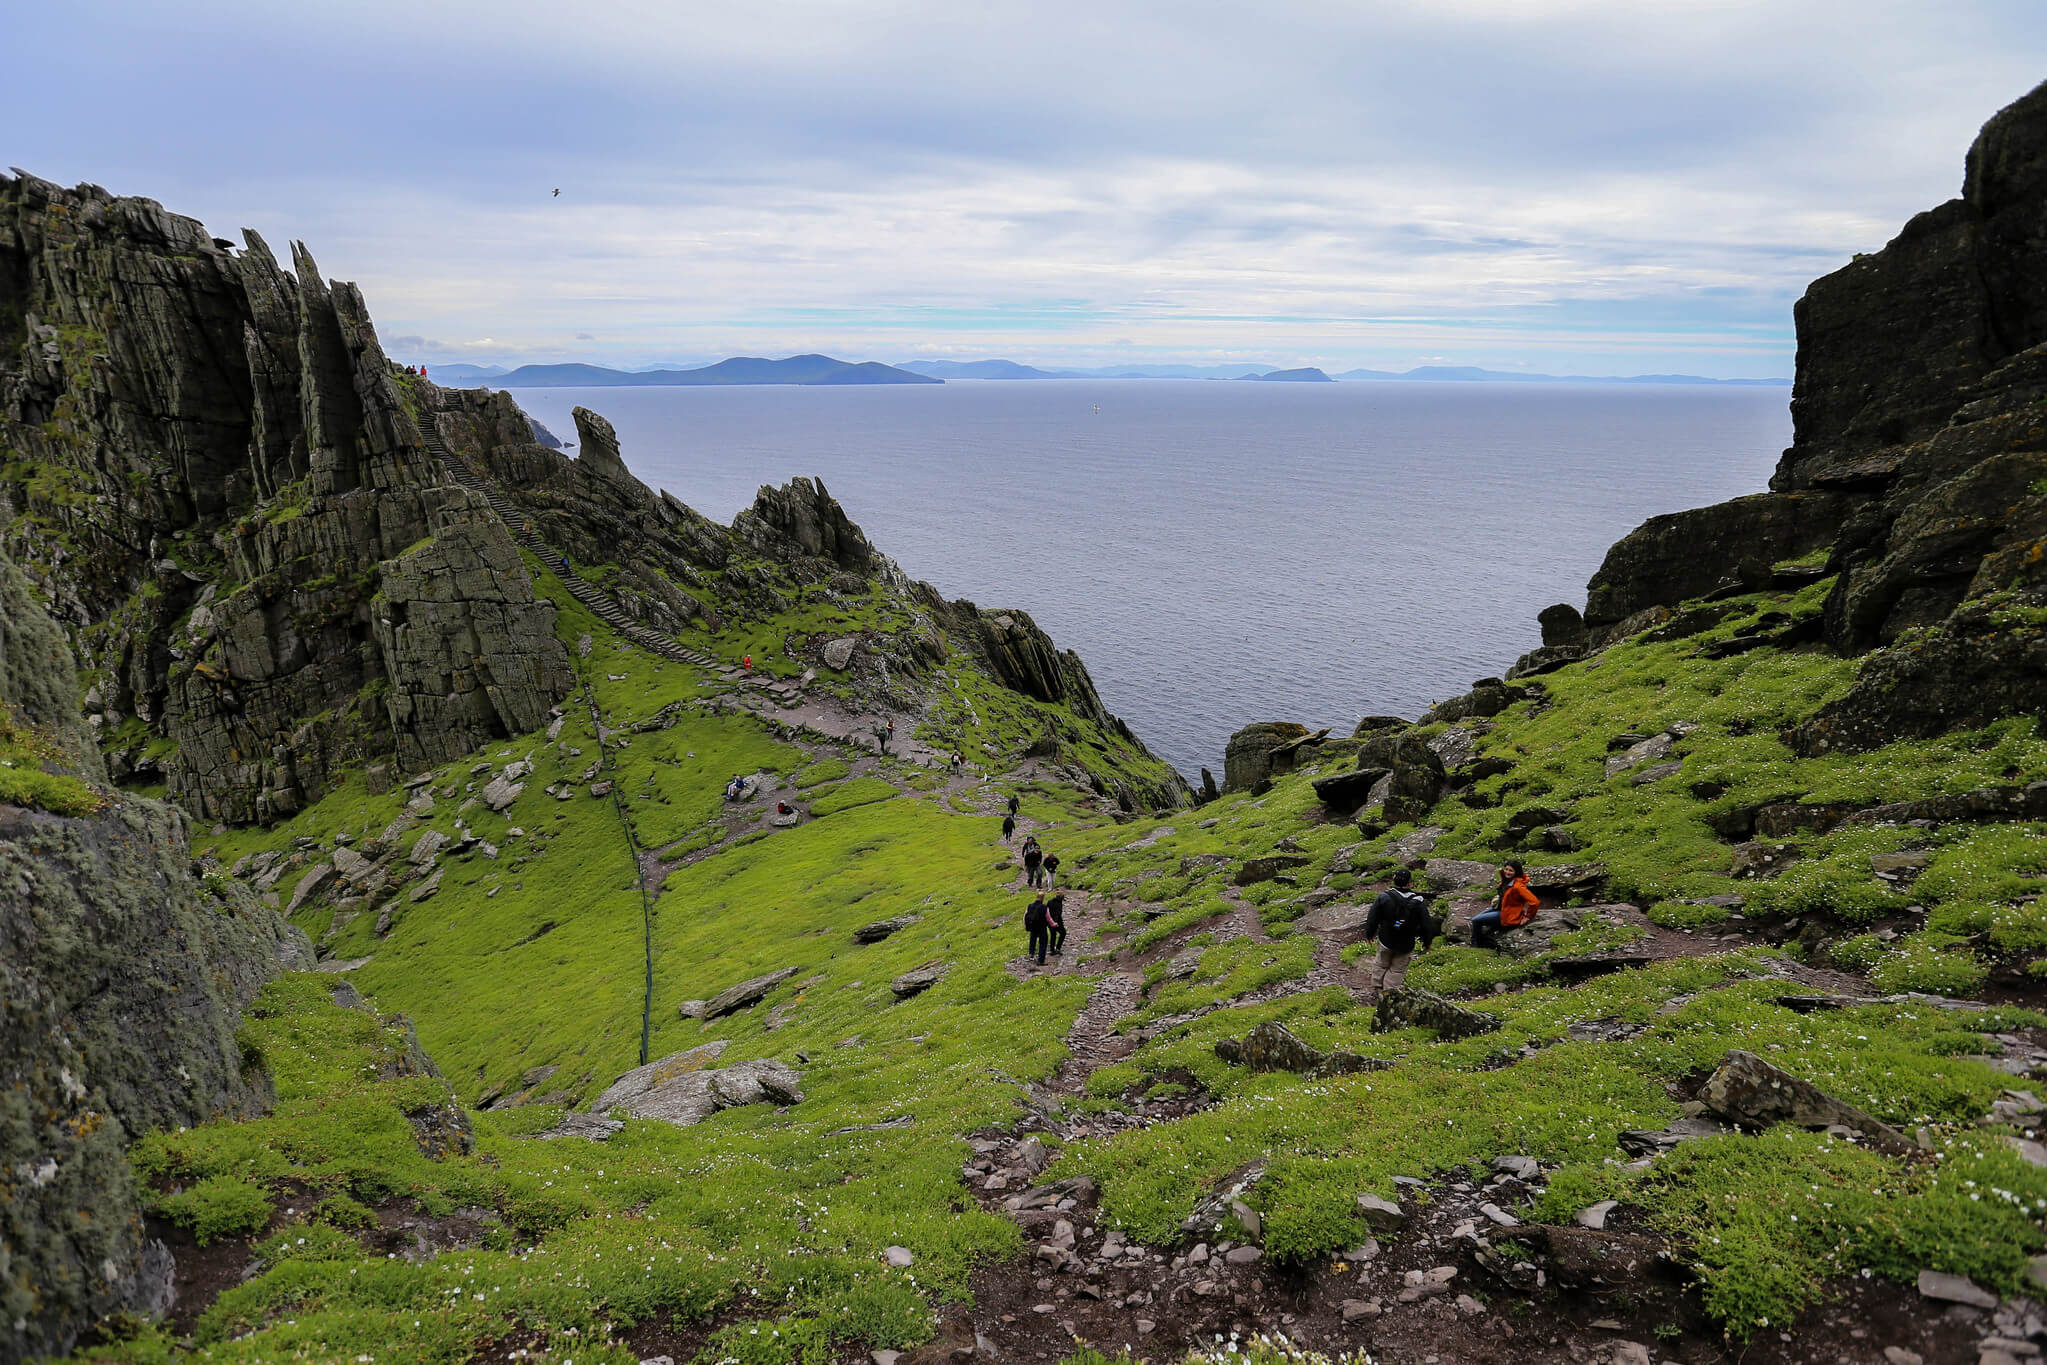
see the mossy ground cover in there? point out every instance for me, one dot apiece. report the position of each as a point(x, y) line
point(1449, 1106)
point(775, 1217)
point(25, 756)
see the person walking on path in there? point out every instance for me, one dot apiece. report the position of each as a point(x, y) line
point(1051, 869)
point(1397, 918)
point(1036, 928)
point(1514, 905)
point(959, 763)
point(1012, 805)
point(1055, 922)
point(1008, 827)
point(1034, 861)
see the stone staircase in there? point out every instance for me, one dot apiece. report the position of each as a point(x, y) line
point(601, 604)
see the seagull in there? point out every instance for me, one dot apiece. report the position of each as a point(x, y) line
point(557, 192)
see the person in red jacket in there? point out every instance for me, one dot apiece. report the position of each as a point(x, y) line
point(1514, 906)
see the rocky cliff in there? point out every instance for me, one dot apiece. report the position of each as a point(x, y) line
point(281, 557)
point(1918, 469)
point(123, 969)
point(211, 475)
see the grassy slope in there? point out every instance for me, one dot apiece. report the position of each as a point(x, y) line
point(775, 1219)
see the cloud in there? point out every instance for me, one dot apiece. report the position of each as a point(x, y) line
point(1553, 181)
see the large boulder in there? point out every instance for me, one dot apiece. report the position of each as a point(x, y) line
point(735, 998)
point(1272, 1046)
point(1749, 1091)
point(1247, 758)
point(684, 1088)
point(1412, 1007)
point(1416, 775)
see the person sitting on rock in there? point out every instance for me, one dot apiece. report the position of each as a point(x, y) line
point(1397, 918)
point(1514, 906)
point(1036, 926)
point(734, 787)
point(1055, 922)
point(784, 808)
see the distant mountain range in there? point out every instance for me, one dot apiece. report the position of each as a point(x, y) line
point(796, 369)
point(1007, 369)
point(822, 369)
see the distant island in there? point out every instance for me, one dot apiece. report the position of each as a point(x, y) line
point(823, 369)
point(1009, 369)
point(796, 369)
point(1308, 374)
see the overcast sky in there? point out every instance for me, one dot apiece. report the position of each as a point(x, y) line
point(1559, 185)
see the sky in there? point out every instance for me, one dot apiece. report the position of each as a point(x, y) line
point(1560, 186)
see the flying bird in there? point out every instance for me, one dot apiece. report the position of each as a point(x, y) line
point(557, 192)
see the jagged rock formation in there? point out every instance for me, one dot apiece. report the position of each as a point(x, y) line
point(1918, 460)
point(280, 557)
point(804, 515)
point(122, 974)
point(212, 472)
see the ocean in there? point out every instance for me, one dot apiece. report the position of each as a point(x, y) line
point(1221, 553)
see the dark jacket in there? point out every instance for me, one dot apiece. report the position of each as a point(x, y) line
point(1397, 918)
point(1055, 912)
point(1034, 916)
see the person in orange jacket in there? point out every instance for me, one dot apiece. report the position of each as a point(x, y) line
point(1515, 906)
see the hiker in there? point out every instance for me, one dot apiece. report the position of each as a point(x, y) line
point(746, 662)
point(1513, 906)
point(734, 787)
point(1034, 860)
point(1035, 926)
point(959, 763)
point(1051, 869)
point(1013, 803)
point(1397, 918)
point(1055, 922)
point(784, 808)
point(883, 733)
point(1008, 827)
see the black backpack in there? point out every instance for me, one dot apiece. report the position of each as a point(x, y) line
point(1414, 913)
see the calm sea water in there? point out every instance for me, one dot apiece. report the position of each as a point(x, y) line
point(1222, 553)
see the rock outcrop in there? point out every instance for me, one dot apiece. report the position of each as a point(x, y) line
point(1248, 758)
point(122, 976)
point(1917, 464)
point(210, 466)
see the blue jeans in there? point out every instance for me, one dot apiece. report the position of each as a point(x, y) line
point(1483, 927)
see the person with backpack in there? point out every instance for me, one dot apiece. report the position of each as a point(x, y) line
point(1008, 827)
point(1036, 928)
point(1033, 860)
point(1055, 922)
point(1051, 869)
point(1513, 906)
point(1397, 918)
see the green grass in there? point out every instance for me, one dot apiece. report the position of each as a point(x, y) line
point(25, 780)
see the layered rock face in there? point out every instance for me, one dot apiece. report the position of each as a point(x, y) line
point(280, 557)
point(122, 975)
point(212, 475)
point(1919, 462)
